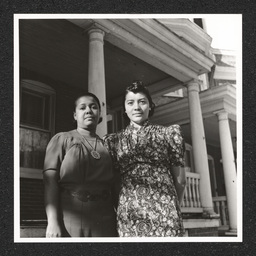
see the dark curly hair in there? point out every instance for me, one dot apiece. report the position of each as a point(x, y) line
point(135, 87)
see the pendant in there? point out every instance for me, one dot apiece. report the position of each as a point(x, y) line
point(95, 154)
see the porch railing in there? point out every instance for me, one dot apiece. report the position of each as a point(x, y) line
point(220, 207)
point(191, 202)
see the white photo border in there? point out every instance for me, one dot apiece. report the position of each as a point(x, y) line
point(17, 238)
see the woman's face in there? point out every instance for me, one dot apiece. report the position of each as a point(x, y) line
point(137, 107)
point(87, 113)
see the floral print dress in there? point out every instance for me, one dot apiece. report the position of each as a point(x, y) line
point(148, 203)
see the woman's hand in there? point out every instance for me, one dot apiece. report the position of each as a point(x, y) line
point(51, 194)
point(179, 179)
point(53, 230)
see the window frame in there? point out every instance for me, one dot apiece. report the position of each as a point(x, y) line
point(40, 88)
point(189, 148)
point(117, 114)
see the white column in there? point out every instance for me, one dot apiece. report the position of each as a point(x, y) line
point(229, 168)
point(199, 147)
point(96, 74)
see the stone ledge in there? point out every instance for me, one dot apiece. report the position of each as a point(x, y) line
point(32, 231)
point(200, 223)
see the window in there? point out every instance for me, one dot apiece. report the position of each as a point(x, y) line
point(36, 125)
point(199, 22)
point(189, 164)
point(35, 109)
point(212, 176)
point(117, 120)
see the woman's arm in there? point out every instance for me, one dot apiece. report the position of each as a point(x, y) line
point(177, 159)
point(51, 195)
point(116, 188)
point(179, 178)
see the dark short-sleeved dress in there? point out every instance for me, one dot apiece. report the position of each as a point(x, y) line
point(148, 203)
point(85, 185)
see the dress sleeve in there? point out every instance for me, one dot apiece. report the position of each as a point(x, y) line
point(110, 142)
point(176, 145)
point(54, 153)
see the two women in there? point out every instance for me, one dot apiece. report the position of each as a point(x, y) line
point(78, 178)
point(147, 157)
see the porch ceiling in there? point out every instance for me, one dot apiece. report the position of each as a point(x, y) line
point(155, 44)
point(58, 50)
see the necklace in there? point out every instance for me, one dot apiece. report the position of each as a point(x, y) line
point(94, 153)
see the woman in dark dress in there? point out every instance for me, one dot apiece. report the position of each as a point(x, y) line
point(78, 178)
point(148, 157)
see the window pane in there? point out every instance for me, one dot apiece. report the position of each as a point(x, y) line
point(119, 120)
point(199, 22)
point(187, 159)
point(35, 110)
point(110, 125)
point(46, 112)
point(32, 148)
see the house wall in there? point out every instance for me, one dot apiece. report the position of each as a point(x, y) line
point(32, 198)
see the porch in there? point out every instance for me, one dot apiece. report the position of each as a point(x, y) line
point(195, 222)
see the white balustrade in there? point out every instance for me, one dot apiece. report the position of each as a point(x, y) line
point(220, 207)
point(191, 202)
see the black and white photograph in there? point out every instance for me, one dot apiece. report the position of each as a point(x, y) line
point(128, 128)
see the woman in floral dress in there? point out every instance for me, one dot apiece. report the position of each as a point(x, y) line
point(147, 157)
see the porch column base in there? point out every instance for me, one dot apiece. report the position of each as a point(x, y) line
point(209, 213)
point(231, 232)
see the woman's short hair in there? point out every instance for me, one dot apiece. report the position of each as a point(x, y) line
point(87, 94)
point(135, 87)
